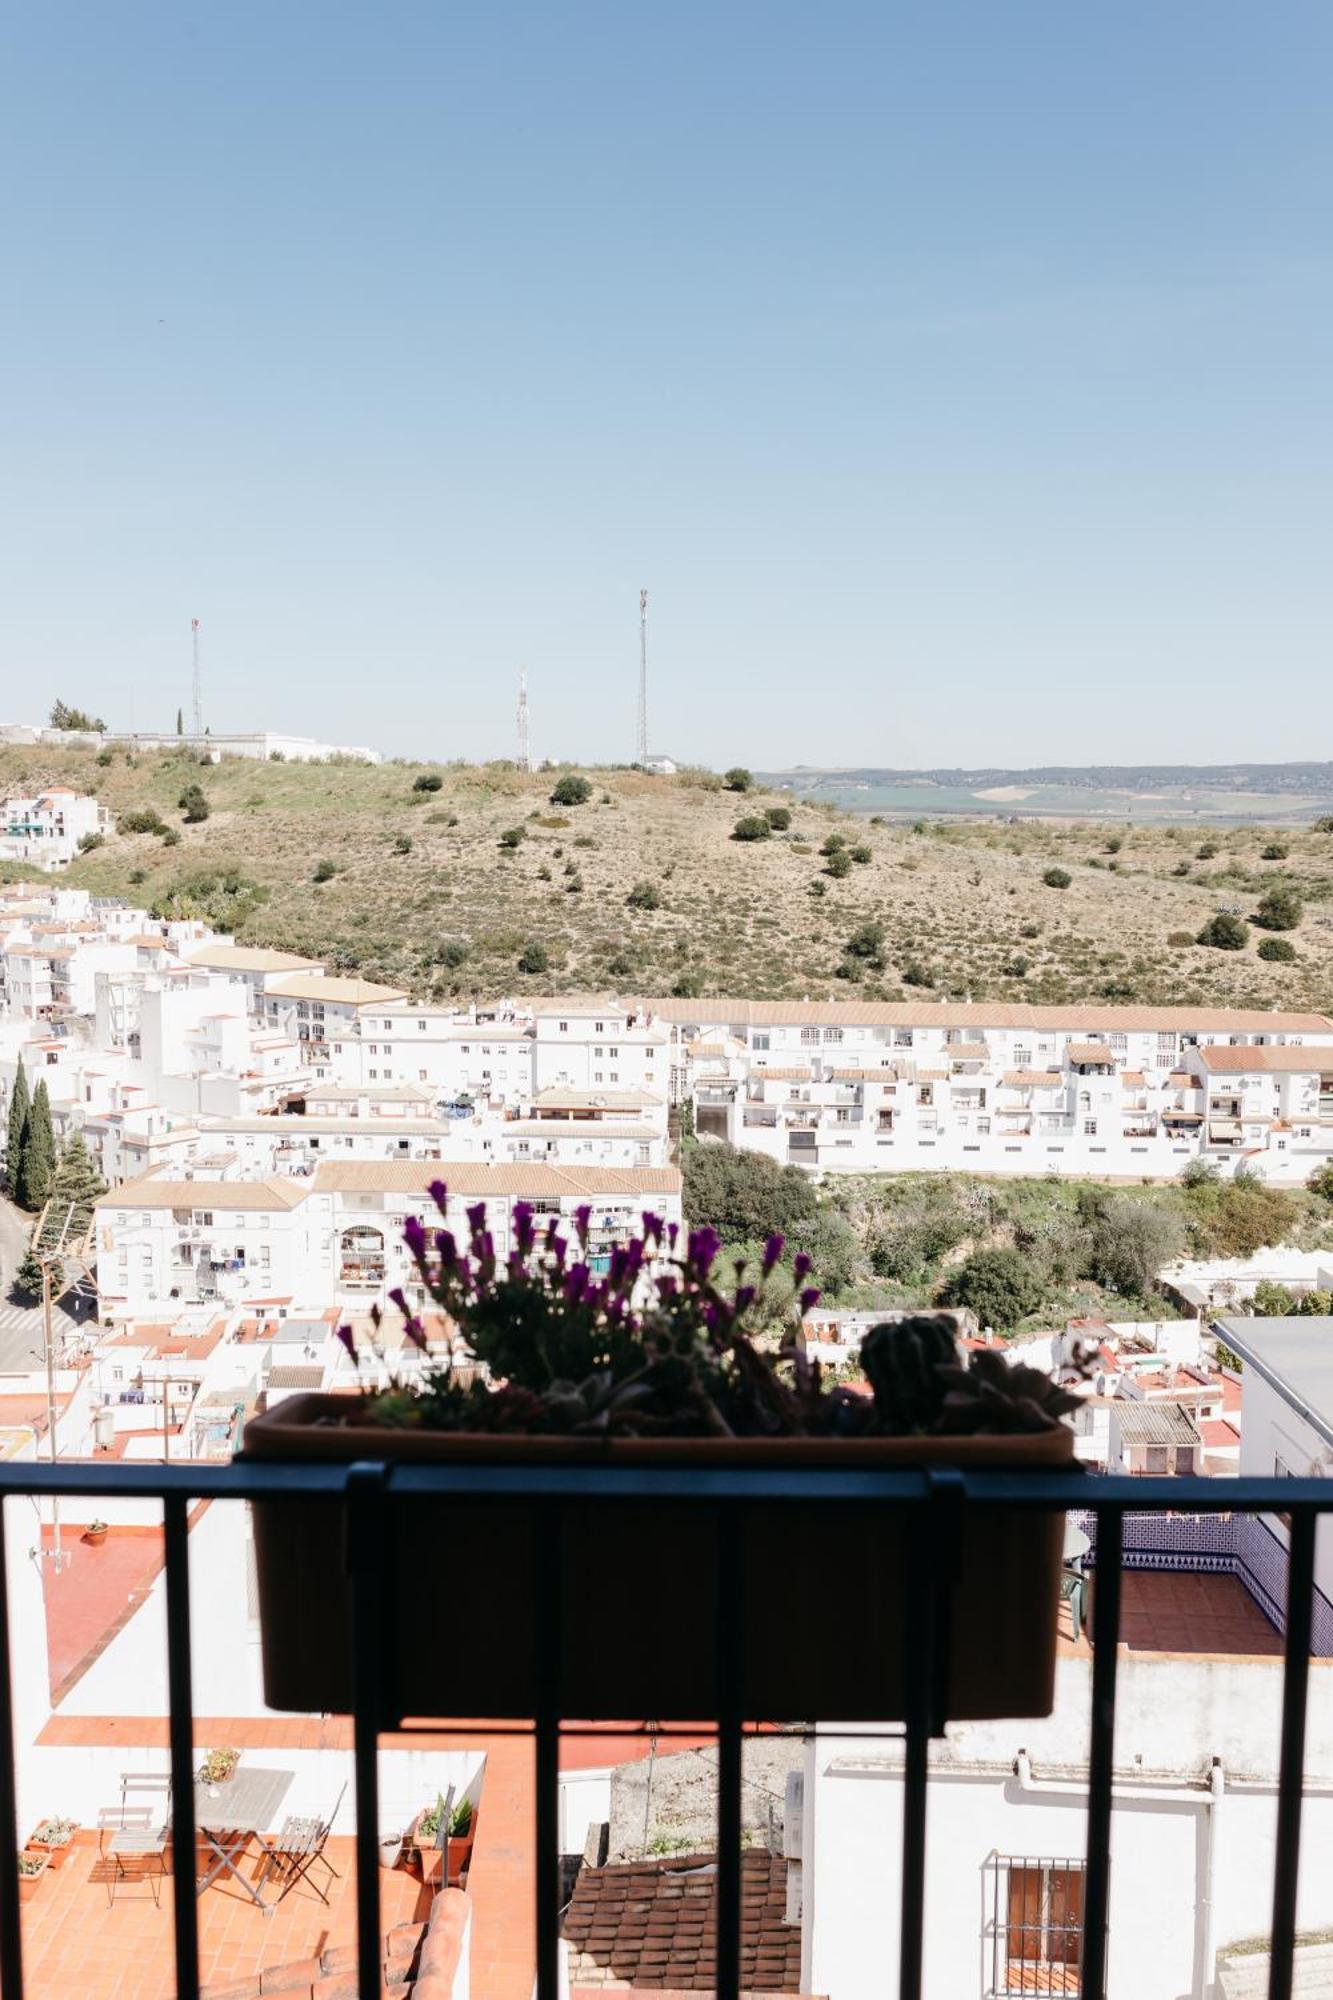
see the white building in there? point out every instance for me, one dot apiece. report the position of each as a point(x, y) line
point(47, 827)
point(261, 743)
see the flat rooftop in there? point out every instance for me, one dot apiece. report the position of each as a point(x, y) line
point(1294, 1355)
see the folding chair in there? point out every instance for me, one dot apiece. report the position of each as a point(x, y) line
point(299, 1848)
point(1074, 1592)
point(137, 1830)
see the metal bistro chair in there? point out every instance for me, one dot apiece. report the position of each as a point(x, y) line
point(137, 1830)
point(1074, 1591)
point(299, 1848)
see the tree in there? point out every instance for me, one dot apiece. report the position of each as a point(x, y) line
point(1131, 1241)
point(1057, 878)
point(753, 826)
point(180, 722)
point(19, 1105)
point(39, 1151)
point(571, 790)
point(1280, 910)
point(778, 818)
point(1277, 951)
point(1224, 933)
point(745, 1197)
point(1271, 1300)
point(738, 779)
point(534, 957)
point(867, 942)
point(1315, 1305)
point(28, 1277)
point(193, 804)
point(65, 717)
point(1321, 1182)
point(999, 1286)
point(142, 820)
point(75, 1186)
point(89, 841)
point(645, 896)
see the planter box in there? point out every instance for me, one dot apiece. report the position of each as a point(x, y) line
point(56, 1856)
point(28, 1884)
point(823, 1594)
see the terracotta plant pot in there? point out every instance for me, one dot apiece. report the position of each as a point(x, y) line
point(28, 1884)
point(822, 1596)
point(460, 1854)
point(94, 1537)
point(57, 1854)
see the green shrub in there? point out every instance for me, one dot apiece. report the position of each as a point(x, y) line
point(193, 804)
point(89, 841)
point(512, 837)
point(428, 781)
point(1277, 951)
point(1205, 851)
point(170, 837)
point(1114, 844)
point(451, 952)
point(738, 779)
point(1057, 878)
point(1280, 910)
point(688, 986)
point(1224, 933)
point(745, 1196)
point(778, 817)
point(753, 826)
point(1180, 940)
point(324, 871)
point(142, 820)
point(867, 942)
point(1181, 868)
point(534, 957)
point(1271, 1300)
point(861, 855)
point(834, 843)
point(644, 896)
point(1321, 1182)
point(839, 864)
point(1274, 851)
point(105, 757)
point(1000, 1286)
point(571, 790)
point(402, 843)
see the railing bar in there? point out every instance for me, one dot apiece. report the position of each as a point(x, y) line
point(550, 1615)
point(1101, 1758)
point(180, 1711)
point(1291, 1759)
point(367, 1528)
point(11, 1931)
point(919, 1635)
point(730, 1709)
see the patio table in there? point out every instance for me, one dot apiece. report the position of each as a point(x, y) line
point(228, 1816)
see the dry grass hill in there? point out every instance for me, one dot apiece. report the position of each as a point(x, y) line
point(485, 886)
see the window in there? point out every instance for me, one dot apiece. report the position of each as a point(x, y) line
point(421, 1076)
point(1037, 1927)
point(833, 1034)
point(1155, 1458)
point(563, 1027)
point(421, 1027)
point(1022, 1058)
point(1090, 1127)
point(809, 1034)
point(763, 1041)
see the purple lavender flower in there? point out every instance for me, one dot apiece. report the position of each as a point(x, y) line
point(582, 1220)
point(525, 1232)
point(348, 1339)
point(772, 1251)
point(415, 1331)
point(447, 1245)
point(809, 1298)
point(399, 1298)
point(476, 1219)
point(652, 1227)
point(745, 1298)
point(673, 1231)
point(414, 1235)
point(439, 1194)
point(558, 1247)
point(701, 1254)
point(800, 1265)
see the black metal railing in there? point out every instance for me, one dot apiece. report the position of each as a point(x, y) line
point(938, 1503)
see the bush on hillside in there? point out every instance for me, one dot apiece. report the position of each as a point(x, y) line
point(753, 826)
point(1000, 1286)
point(745, 1197)
point(512, 837)
point(738, 779)
point(324, 871)
point(534, 958)
point(1321, 1182)
point(1280, 910)
point(571, 790)
point(644, 896)
point(1224, 933)
point(867, 942)
point(1277, 951)
point(778, 817)
point(193, 804)
point(1057, 878)
point(1130, 1243)
point(839, 864)
point(89, 842)
point(428, 781)
point(1274, 852)
point(143, 819)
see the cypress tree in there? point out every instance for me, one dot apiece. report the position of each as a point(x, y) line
point(39, 1151)
point(19, 1104)
point(180, 722)
point(28, 1277)
point(75, 1186)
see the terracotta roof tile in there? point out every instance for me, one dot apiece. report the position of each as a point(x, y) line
point(650, 1924)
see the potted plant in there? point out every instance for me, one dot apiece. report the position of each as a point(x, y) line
point(425, 1839)
point(217, 1767)
point(462, 1833)
point(32, 1867)
point(54, 1838)
point(95, 1534)
point(391, 1849)
point(657, 1363)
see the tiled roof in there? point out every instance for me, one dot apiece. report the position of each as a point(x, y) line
point(650, 1924)
point(1090, 1052)
point(560, 1097)
point(343, 992)
point(247, 958)
point(1281, 1060)
point(1155, 1423)
point(962, 1014)
point(226, 1195)
point(415, 1177)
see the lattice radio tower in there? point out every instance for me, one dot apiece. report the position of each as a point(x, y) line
point(524, 749)
point(198, 684)
point(641, 740)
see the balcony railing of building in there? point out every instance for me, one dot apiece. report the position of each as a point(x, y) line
point(938, 1502)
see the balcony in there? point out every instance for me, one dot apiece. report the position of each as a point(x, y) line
point(1034, 1921)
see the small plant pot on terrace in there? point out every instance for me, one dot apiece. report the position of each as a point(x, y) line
point(95, 1534)
point(55, 1839)
point(821, 1610)
point(391, 1851)
point(32, 1866)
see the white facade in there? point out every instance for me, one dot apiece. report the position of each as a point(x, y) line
point(47, 827)
point(261, 743)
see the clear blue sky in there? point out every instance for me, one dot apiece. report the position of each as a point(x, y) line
point(955, 373)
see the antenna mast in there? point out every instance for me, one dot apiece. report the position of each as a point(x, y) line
point(524, 753)
point(641, 740)
point(198, 685)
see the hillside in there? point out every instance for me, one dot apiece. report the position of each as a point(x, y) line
point(422, 890)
